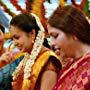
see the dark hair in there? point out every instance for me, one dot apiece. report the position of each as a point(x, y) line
point(2, 28)
point(72, 21)
point(26, 22)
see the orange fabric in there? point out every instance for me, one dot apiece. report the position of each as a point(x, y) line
point(29, 84)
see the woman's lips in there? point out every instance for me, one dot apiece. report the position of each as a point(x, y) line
point(57, 51)
point(19, 47)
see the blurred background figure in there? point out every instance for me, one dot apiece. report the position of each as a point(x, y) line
point(9, 57)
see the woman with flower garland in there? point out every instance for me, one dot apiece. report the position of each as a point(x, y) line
point(38, 70)
point(70, 33)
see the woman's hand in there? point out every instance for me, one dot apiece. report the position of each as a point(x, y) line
point(48, 80)
point(7, 58)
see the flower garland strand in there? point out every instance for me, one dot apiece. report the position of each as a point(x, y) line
point(62, 2)
point(15, 3)
point(18, 7)
point(27, 5)
point(38, 8)
point(36, 49)
point(20, 67)
point(78, 5)
point(6, 9)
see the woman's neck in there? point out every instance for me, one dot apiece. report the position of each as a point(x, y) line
point(83, 50)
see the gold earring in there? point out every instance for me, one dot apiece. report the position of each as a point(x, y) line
point(32, 41)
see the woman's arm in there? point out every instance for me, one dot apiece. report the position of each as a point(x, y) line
point(8, 57)
point(48, 80)
point(48, 77)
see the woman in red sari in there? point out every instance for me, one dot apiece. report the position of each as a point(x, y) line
point(70, 33)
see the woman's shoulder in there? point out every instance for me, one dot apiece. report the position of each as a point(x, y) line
point(49, 60)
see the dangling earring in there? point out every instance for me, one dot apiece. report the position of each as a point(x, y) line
point(74, 38)
point(33, 41)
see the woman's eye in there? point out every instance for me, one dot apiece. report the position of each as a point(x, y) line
point(55, 36)
point(16, 37)
point(11, 38)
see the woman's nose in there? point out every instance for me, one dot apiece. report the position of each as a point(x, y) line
point(53, 45)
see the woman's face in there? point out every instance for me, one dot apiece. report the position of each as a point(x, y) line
point(22, 40)
point(59, 40)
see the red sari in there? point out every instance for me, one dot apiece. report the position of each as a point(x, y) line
point(75, 77)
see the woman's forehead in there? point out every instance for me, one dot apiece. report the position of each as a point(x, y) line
point(53, 29)
point(15, 29)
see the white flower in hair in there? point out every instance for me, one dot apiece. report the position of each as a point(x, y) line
point(88, 19)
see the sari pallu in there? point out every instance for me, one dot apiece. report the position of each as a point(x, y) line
point(76, 77)
point(30, 84)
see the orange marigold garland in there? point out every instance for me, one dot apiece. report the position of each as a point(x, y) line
point(6, 9)
point(38, 8)
point(78, 5)
point(27, 5)
point(62, 2)
point(15, 3)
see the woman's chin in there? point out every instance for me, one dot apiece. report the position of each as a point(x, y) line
point(21, 50)
point(57, 52)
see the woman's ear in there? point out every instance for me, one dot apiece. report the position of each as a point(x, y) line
point(32, 34)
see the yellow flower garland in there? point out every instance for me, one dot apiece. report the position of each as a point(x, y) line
point(39, 10)
point(62, 2)
point(7, 10)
